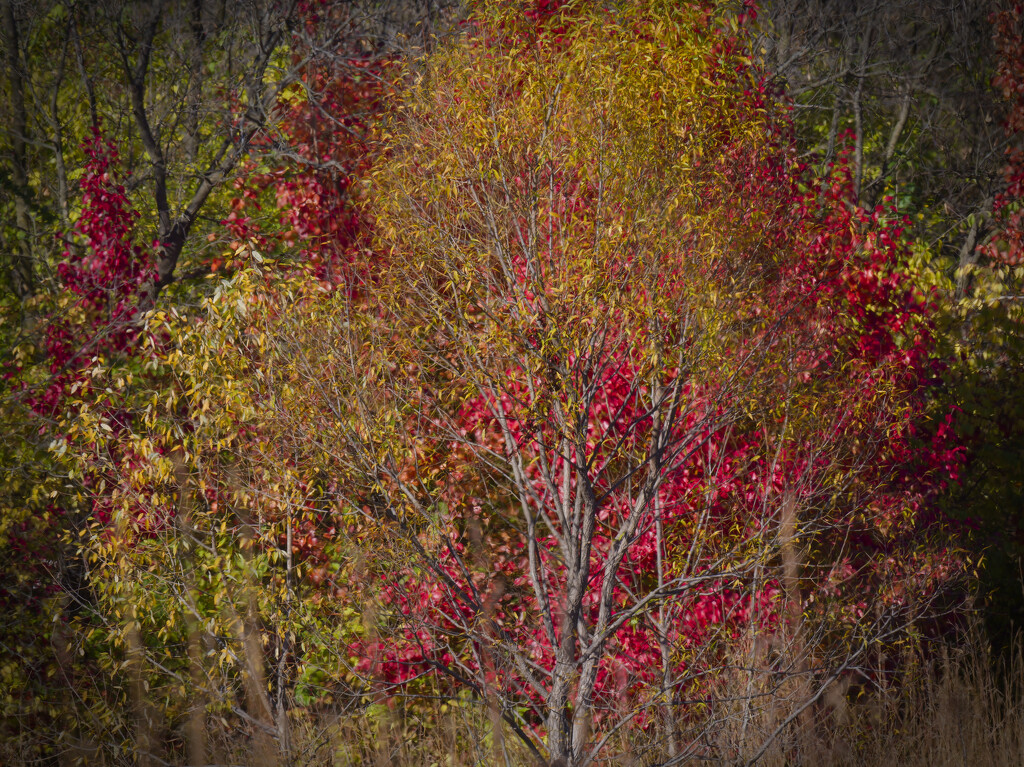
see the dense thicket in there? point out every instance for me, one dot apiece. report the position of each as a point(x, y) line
point(541, 381)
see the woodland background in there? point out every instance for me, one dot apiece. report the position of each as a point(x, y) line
point(511, 382)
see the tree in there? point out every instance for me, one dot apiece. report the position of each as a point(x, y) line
point(627, 392)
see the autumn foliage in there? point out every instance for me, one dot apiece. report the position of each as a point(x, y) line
point(630, 387)
point(541, 378)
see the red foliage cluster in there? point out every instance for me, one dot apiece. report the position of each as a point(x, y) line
point(321, 153)
point(104, 272)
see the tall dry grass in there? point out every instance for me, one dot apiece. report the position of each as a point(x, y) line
point(961, 710)
point(958, 709)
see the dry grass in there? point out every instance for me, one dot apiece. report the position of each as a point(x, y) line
point(959, 709)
